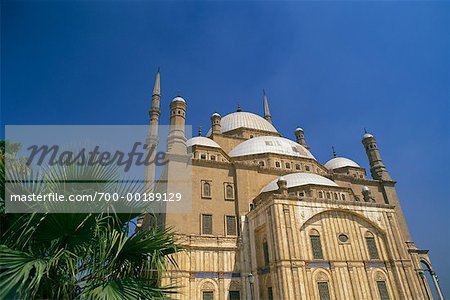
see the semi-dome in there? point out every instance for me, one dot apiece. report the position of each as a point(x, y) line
point(244, 119)
point(270, 144)
point(340, 162)
point(202, 141)
point(299, 179)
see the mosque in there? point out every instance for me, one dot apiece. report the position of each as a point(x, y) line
point(269, 221)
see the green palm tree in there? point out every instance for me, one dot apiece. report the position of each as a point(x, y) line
point(78, 256)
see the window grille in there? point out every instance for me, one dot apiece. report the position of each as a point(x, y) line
point(231, 225)
point(372, 247)
point(229, 191)
point(316, 247)
point(269, 293)
point(266, 253)
point(208, 295)
point(382, 289)
point(206, 224)
point(234, 295)
point(324, 293)
point(206, 189)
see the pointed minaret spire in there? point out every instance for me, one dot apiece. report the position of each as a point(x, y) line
point(239, 108)
point(157, 86)
point(199, 130)
point(267, 115)
point(334, 152)
point(152, 138)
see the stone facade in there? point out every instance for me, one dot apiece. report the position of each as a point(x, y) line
point(271, 222)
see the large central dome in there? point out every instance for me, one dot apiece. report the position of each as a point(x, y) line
point(244, 119)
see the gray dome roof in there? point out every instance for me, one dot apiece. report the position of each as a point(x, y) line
point(202, 141)
point(340, 162)
point(244, 119)
point(299, 179)
point(270, 144)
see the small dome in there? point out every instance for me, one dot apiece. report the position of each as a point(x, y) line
point(202, 141)
point(244, 119)
point(340, 162)
point(270, 144)
point(178, 98)
point(299, 179)
point(298, 129)
point(365, 189)
point(215, 115)
point(367, 135)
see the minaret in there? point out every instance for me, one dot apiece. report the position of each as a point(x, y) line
point(300, 135)
point(267, 115)
point(155, 110)
point(176, 141)
point(377, 168)
point(215, 123)
point(334, 152)
point(152, 137)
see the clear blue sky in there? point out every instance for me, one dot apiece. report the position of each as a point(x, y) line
point(330, 67)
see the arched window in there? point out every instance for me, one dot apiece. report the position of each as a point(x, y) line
point(206, 189)
point(328, 195)
point(229, 194)
point(316, 245)
point(372, 246)
point(277, 164)
point(261, 163)
point(336, 196)
point(324, 292)
point(382, 289)
point(288, 165)
point(320, 195)
point(343, 197)
point(297, 167)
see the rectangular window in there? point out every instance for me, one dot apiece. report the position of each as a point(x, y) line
point(208, 295)
point(316, 247)
point(324, 293)
point(231, 225)
point(269, 293)
point(206, 224)
point(234, 295)
point(382, 289)
point(277, 164)
point(266, 254)
point(307, 168)
point(288, 165)
point(202, 156)
point(372, 247)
